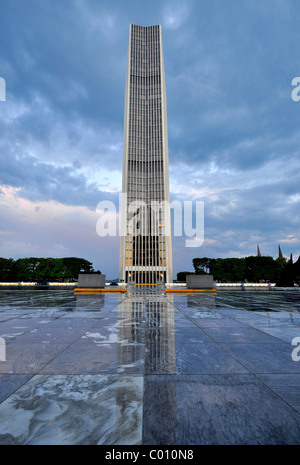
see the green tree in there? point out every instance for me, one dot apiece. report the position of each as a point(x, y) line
point(281, 262)
point(260, 269)
point(7, 269)
point(228, 269)
point(26, 269)
point(42, 270)
point(73, 266)
point(234, 269)
point(181, 275)
point(252, 268)
point(201, 265)
point(49, 269)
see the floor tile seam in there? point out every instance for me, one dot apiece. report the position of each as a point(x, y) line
point(275, 337)
point(264, 332)
point(16, 317)
point(19, 387)
point(237, 320)
point(110, 310)
point(12, 340)
point(206, 373)
point(274, 392)
point(41, 325)
point(211, 337)
point(220, 375)
point(88, 374)
point(250, 327)
point(103, 316)
point(223, 316)
point(229, 354)
point(257, 325)
point(63, 350)
point(280, 341)
point(253, 343)
point(23, 373)
point(285, 373)
point(258, 343)
point(188, 318)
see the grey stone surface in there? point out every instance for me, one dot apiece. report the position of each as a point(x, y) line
point(199, 281)
point(9, 383)
point(239, 334)
point(215, 409)
point(94, 280)
point(149, 368)
point(63, 410)
point(264, 357)
point(287, 387)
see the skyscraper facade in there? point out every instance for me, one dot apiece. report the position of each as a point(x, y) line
point(145, 247)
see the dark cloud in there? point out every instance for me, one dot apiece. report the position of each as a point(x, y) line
point(233, 127)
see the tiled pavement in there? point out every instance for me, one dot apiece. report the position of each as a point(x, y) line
point(149, 368)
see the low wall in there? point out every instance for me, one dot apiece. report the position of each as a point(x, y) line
point(194, 281)
point(87, 280)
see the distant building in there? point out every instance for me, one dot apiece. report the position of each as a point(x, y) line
point(145, 257)
point(258, 251)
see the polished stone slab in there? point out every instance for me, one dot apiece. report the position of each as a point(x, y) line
point(282, 331)
point(264, 357)
point(16, 326)
point(9, 383)
point(25, 358)
point(88, 355)
point(189, 358)
point(194, 369)
point(208, 358)
point(205, 320)
point(239, 334)
point(82, 410)
point(191, 334)
point(285, 386)
point(54, 332)
point(215, 409)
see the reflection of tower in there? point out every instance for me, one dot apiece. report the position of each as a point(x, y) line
point(160, 336)
point(146, 345)
point(146, 331)
point(145, 248)
point(160, 359)
point(130, 330)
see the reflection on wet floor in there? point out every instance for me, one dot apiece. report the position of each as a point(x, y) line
point(149, 368)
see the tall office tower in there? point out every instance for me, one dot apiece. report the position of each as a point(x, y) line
point(145, 247)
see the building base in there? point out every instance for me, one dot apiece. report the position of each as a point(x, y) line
point(91, 280)
point(199, 281)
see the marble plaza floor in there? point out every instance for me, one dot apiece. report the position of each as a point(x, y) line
point(149, 368)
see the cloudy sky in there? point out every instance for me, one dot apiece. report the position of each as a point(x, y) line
point(233, 127)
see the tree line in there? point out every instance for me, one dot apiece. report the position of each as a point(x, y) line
point(43, 270)
point(252, 269)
